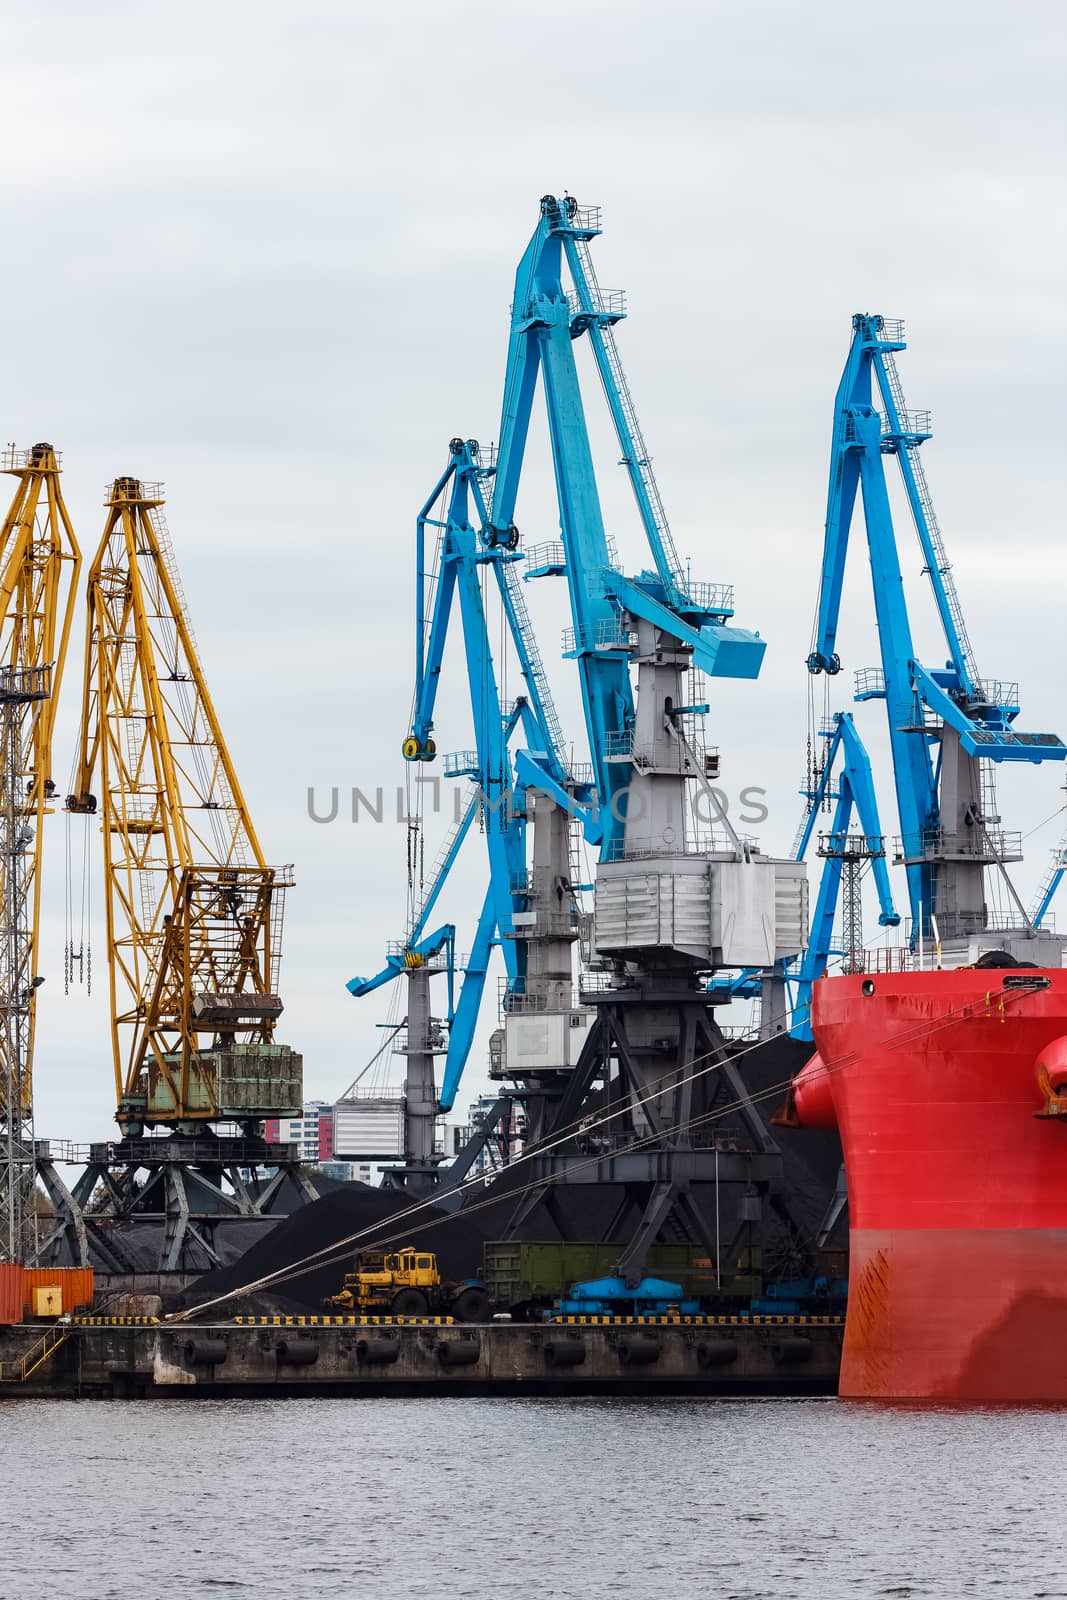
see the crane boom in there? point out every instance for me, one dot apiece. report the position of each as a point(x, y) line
point(194, 912)
point(39, 562)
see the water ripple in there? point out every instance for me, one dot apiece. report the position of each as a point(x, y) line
point(450, 1499)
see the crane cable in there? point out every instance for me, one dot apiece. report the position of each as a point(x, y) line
point(77, 963)
point(414, 801)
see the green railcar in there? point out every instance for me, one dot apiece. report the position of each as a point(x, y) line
point(523, 1275)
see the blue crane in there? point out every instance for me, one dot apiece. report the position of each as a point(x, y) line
point(407, 956)
point(658, 920)
point(1053, 878)
point(456, 570)
point(546, 322)
point(451, 559)
point(844, 851)
point(943, 721)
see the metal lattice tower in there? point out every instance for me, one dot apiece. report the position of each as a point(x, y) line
point(39, 561)
point(852, 914)
point(854, 851)
point(19, 691)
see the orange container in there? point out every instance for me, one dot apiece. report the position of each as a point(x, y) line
point(11, 1292)
point(75, 1284)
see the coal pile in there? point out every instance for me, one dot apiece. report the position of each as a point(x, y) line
point(128, 1245)
point(351, 1208)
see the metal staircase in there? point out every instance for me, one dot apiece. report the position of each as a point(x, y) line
point(33, 1358)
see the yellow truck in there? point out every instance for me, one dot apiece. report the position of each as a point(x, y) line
point(407, 1283)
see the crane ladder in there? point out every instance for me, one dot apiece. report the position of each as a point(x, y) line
point(944, 565)
point(532, 655)
point(636, 447)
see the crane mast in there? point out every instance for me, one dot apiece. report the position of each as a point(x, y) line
point(39, 562)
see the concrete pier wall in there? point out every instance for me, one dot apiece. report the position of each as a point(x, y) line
point(135, 1360)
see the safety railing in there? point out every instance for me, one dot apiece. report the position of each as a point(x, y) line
point(399, 950)
point(910, 425)
point(22, 684)
point(132, 491)
point(591, 983)
point(717, 598)
point(884, 958)
point(608, 634)
point(604, 303)
point(547, 557)
point(868, 682)
point(1004, 921)
point(460, 763)
point(514, 999)
point(891, 329)
point(435, 1044)
point(18, 460)
point(618, 742)
point(851, 846)
point(712, 845)
point(587, 218)
point(159, 1149)
point(517, 1003)
point(980, 844)
point(998, 692)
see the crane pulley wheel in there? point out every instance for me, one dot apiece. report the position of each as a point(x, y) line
point(818, 663)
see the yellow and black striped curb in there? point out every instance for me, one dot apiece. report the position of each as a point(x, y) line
point(704, 1322)
point(439, 1322)
point(344, 1322)
point(110, 1322)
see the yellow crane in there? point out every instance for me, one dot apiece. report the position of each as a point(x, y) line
point(194, 913)
point(39, 563)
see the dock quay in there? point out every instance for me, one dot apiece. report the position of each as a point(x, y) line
point(137, 1358)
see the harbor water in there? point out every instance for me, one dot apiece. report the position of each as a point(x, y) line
point(569, 1499)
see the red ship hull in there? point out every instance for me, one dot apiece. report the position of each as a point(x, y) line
point(949, 1091)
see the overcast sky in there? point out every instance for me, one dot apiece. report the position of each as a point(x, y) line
point(265, 254)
